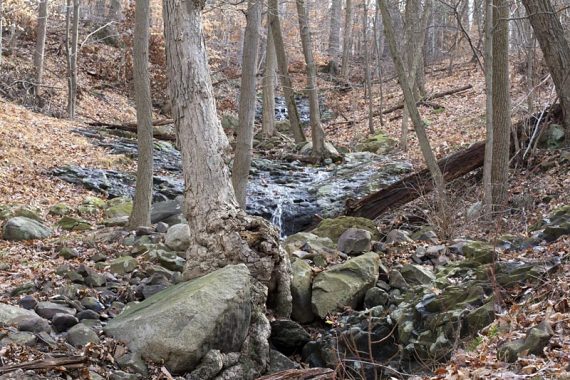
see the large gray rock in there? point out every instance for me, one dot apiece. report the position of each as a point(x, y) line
point(344, 284)
point(9, 313)
point(164, 210)
point(355, 241)
point(22, 228)
point(417, 274)
point(178, 237)
point(301, 282)
point(182, 323)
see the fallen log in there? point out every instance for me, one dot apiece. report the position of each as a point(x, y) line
point(301, 374)
point(427, 99)
point(132, 127)
point(48, 363)
point(408, 188)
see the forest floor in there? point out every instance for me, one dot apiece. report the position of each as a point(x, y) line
point(32, 143)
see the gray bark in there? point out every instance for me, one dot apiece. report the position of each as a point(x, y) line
point(347, 40)
point(334, 34)
point(268, 121)
point(425, 147)
point(1, 29)
point(285, 79)
point(556, 50)
point(71, 42)
point(222, 233)
point(501, 104)
point(487, 182)
point(367, 69)
point(40, 44)
point(247, 99)
point(140, 215)
point(317, 132)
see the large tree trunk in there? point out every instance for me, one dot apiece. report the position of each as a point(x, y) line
point(40, 44)
point(410, 102)
point(501, 105)
point(317, 132)
point(556, 51)
point(347, 40)
point(247, 99)
point(71, 41)
point(268, 121)
point(334, 33)
point(367, 78)
point(140, 215)
point(1, 29)
point(286, 84)
point(221, 232)
point(487, 181)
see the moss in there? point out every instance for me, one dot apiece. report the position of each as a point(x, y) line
point(333, 228)
point(379, 144)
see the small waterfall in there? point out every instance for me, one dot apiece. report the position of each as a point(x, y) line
point(282, 200)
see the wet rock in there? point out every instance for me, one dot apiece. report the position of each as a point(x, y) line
point(80, 335)
point(62, 322)
point(344, 284)
point(355, 241)
point(23, 228)
point(301, 291)
point(28, 302)
point(87, 314)
point(334, 228)
point(48, 309)
point(398, 236)
point(288, 336)
point(178, 237)
point(218, 304)
point(70, 223)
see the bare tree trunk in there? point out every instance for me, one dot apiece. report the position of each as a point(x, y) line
point(244, 139)
point(222, 233)
point(286, 84)
point(556, 51)
point(268, 121)
point(409, 98)
point(140, 215)
point(1, 29)
point(71, 40)
point(40, 44)
point(379, 45)
point(487, 180)
point(317, 132)
point(334, 34)
point(347, 40)
point(501, 104)
point(367, 68)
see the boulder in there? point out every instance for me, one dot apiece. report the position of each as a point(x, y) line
point(377, 144)
point(331, 151)
point(80, 335)
point(8, 313)
point(60, 209)
point(179, 325)
point(161, 211)
point(48, 309)
point(23, 228)
point(479, 252)
point(398, 236)
point(302, 240)
point(123, 265)
point(334, 228)
point(301, 291)
point(288, 336)
point(178, 237)
point(118, 207)
point(344, 284)
point(552, 137)
point(70, 223)
point(376, 297)
point(355, 241)
point(417, 275)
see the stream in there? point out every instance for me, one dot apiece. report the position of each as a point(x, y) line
point(287, 193)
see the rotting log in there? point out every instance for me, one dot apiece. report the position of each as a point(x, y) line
point(301, 374)
point(408, 188)
point(132, 127)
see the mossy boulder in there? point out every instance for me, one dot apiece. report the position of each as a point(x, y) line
point(95, 202)
point(335, 227)
point(28, 212)
point(479, 252)
point(123, 265)
point(69, 223)
point(60, 209)
point(118, 207)
point(378, 144)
